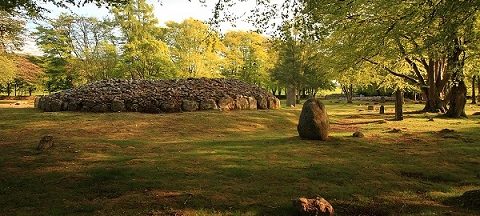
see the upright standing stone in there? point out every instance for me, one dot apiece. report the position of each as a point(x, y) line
point(382, 109)
point(313, 123)
point(398, 105)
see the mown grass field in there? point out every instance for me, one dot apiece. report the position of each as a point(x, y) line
point(234, 163)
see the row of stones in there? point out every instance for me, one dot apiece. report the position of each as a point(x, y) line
point(49, 104)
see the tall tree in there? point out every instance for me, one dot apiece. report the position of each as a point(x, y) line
point(195, 48)
point(431, 37)
point(143, 54)
point(36, 8)
point(247, 57)
point(12, 30)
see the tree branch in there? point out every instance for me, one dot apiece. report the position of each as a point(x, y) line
point(408, 78)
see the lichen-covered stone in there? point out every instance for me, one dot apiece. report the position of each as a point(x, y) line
point(313, 123)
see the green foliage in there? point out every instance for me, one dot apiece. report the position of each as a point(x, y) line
point(78, 50)
point(144, 56)
point(11, 32)
point(36, 8)
point(194, 47)
point(7, 69)
point(248, 57)
point(300, 62)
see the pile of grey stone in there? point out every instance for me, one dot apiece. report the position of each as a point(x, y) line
point(160, 96)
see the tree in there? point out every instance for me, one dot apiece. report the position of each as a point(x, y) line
point(7, 72)
point(430, 37)
point(143, 54)
point(194, 47)
point(247, 57)
point(11, 32)
point(28, 75)
point(299, 64)
point(36, 8)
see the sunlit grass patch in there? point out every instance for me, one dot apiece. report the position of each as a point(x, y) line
point(235, 163)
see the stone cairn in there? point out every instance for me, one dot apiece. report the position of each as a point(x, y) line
point(160, 96)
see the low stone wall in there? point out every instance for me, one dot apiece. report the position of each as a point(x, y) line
point(167, 96)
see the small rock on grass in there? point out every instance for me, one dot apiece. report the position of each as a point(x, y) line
point(315, 206)
point(45, 143)
point(446, 130)
point(395, 130)
point(358, 134)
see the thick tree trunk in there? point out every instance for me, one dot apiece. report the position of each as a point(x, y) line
point(398, 105)
point(458, 99)
point(291, 96)
point(474, 97)
point(458, 92)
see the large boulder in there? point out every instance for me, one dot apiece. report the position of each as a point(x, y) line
point(262, 102)
point(208, 104)
point(118, 105)
point(189, 105)
point(252, 103)
point(171, 107)
point(313, 123)
point(273, 103)
point(241, 103)
point(226, 103)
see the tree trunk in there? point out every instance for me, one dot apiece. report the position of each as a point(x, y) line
point(398, 105)
point(348, 91)
point(474, 97)
point(458, 92)
point(458, 99)
point(478, 88)
point(9, 89)
point(291, 96)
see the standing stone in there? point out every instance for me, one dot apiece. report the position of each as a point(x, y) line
point(118, 105)
point(36, 102)
point(252, 103)
point(208, 104)
point(226, 103)
point(398, 105)
point(313, 123)
point(189, 105)
point(382, 109)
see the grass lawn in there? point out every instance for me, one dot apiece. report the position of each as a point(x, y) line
point(234, 163)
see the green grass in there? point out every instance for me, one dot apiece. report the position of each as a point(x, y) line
point(234, 163)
